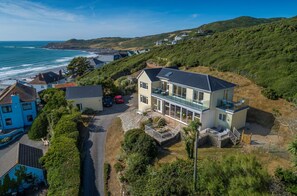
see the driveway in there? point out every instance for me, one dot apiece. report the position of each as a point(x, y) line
point(93, 163)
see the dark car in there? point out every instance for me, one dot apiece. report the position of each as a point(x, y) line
point(107, 101)
point(118, 99)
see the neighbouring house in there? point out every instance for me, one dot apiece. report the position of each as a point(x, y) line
point(25, 158)
point(159, 43)
point(177, 38)
point(109, 56)
point(185, 96)
point(96, 63)
point(65, 85)
point(17, 106)
point(46, 80)
point(85, 97)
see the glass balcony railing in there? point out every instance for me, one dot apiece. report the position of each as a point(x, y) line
point(237, 104)
point(162, 94)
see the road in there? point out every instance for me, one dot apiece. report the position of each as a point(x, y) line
point(94, 145)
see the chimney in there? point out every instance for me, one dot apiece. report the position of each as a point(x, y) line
point(40, 76)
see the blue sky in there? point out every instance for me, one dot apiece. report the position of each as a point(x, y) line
point(84, 19)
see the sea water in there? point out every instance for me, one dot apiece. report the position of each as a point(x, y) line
point(22, 59)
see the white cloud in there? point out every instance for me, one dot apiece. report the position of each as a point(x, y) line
point(27, 10)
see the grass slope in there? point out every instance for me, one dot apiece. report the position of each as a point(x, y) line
point(265, 53)
point(149, 41)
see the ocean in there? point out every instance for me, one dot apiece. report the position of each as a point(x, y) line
point(22, 59)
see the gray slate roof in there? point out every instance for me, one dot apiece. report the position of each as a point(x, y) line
point(194, 80)
point(20, 154)
point(79, 92)
point(152, 73)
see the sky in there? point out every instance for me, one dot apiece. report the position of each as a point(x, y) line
point(22, 20)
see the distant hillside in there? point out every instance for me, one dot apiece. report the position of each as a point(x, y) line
point(149, 41)
point(265, 53)
point(243, 21)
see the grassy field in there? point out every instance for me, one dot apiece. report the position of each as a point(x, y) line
point(115, 135)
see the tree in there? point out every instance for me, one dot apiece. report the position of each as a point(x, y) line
point(79, 66)
point(39, 127)
point(190, 133)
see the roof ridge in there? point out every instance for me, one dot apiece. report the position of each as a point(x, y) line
point(208, 82)
point(27, 93)
point(6, 92)
point(186, 71)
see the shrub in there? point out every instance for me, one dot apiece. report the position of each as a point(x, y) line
point(62, 162)
point(137, 141)
point(89, 111)
point(146, 122)
point(270, 94)
point(161, 123)
point(118, 167)
point(39, 127)
point(288, 178)
point(136, 166)
point(106, 177)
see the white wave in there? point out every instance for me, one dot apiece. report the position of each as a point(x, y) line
point(64, 59)
point(5, 68)
point(26, 65)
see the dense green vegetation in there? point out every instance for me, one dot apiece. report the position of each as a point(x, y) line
point(243, 21)
point(78, 66)
point(59, 122)
point(265, 53)
point(149, 41)
point(231, 175)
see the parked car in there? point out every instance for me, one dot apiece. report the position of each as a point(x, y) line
point(118, 99)
point(107, 101)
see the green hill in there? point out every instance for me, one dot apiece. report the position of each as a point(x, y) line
point(265, 53)
point(149, 41)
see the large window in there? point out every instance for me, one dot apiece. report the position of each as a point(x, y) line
point(143, 85)
point(6, 109)
point(8, 121)
point(27, 106)
point(143, 99)
point(179, 91)
point(198, 97)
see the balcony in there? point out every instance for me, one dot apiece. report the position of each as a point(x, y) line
point(164, 95)
point(233, 106)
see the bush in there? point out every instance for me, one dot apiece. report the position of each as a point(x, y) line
point(137, 141)
point(62, 162)
point(136, 166)
point(39, 127)
point(146, 122)
point(288, 178)
point(89, 111)
point(106, 177)
point(118, 167)
point(162, 123)
point(270, 94)
point(67, 124)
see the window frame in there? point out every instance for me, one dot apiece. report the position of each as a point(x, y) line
point(6, 111)
point(143, 85)
point(143, 99)
point(24, 108)
point(6, 121)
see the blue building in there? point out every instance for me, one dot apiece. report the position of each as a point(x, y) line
point(22, 158)
point(17, 106)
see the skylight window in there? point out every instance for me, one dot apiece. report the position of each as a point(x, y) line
point(168, 74)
